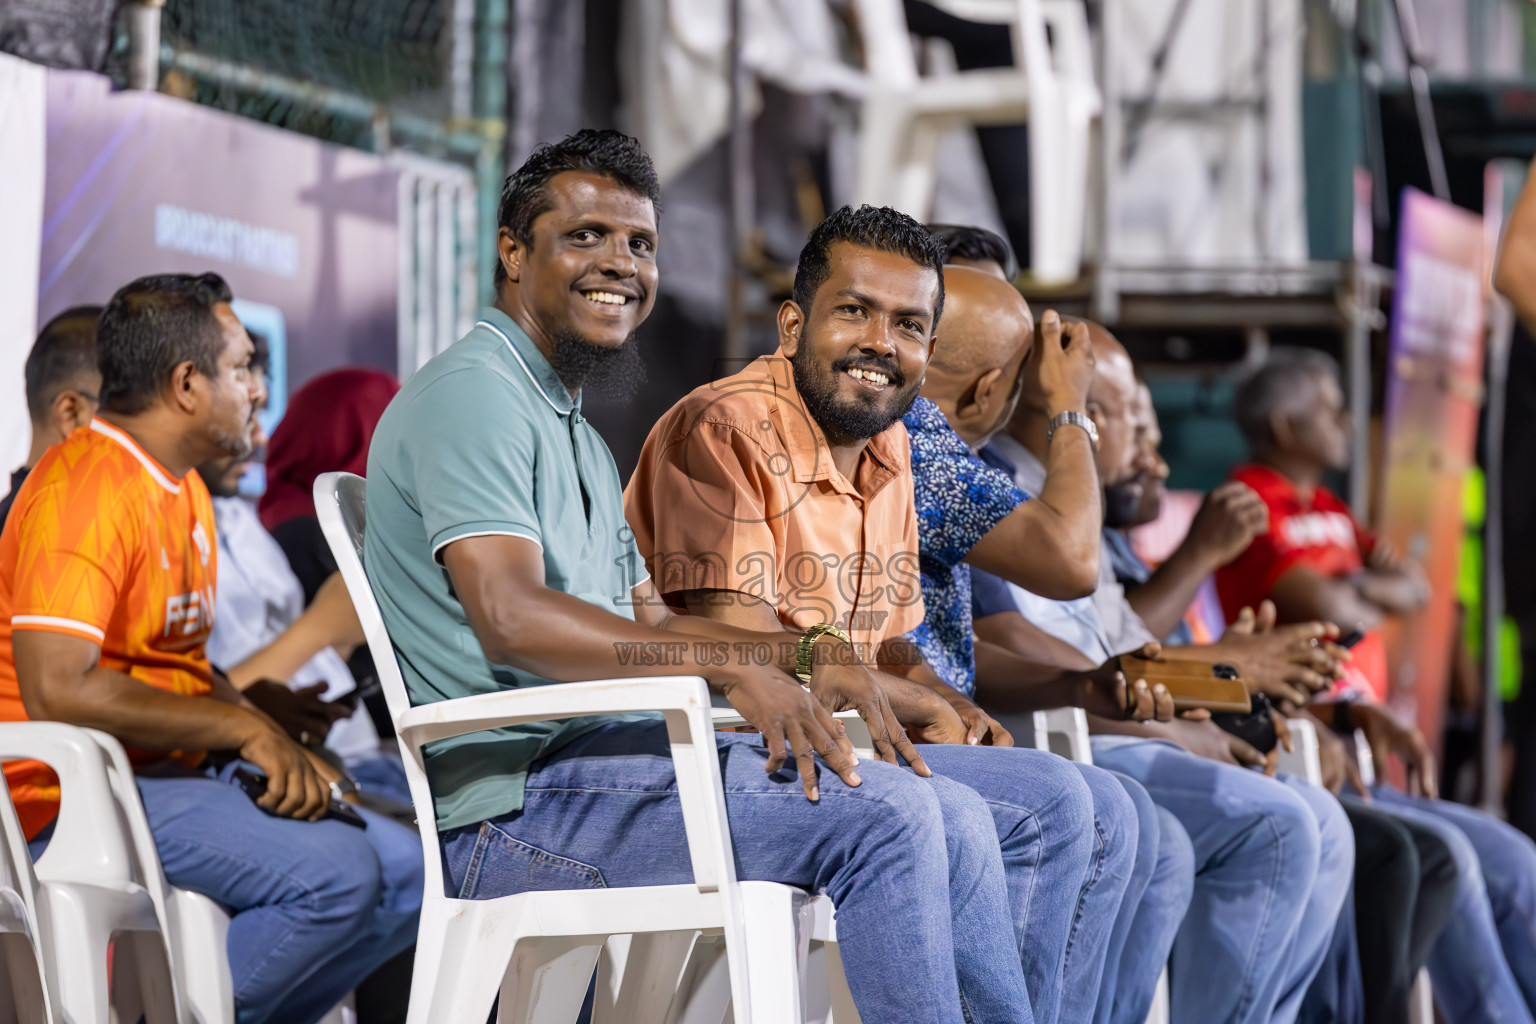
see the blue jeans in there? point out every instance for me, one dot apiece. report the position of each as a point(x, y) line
point(384, 775)
point(315, 906)
point(1484, 964)
point(1069, 836)
point(1163, 882)
point(603, 811)
point(1256, 855)
point(1327, 903)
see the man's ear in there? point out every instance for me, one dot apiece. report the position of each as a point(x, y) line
point(1281, 430)
point(791, 326)
point(71, 411)
point(186, 387)
point(510, 251)
point(987, 394)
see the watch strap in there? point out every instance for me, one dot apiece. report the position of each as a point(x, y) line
point(805, 657)
point(1072, 418)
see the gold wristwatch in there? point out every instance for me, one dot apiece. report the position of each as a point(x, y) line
point(805, 649)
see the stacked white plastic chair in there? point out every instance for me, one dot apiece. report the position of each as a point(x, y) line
point(541, 948)
point(1051, 87)
point(87, 898)
point(23, 994)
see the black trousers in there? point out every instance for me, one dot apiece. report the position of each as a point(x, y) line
point(1405, 886)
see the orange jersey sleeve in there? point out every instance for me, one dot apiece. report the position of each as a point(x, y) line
point(73, 544)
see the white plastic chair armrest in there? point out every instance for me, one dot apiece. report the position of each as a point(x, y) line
point(443, 719)
point(81, 850)
point(683, 700)
point(853, 725)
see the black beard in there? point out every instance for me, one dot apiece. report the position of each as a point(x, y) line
point(1122, 505)
point(609, 373)
point(848, 421)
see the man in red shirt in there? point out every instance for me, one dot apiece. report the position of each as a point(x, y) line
point(1317, 562)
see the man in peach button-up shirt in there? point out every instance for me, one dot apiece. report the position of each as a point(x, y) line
point(782, 496)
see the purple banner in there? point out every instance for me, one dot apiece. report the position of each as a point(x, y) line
point(305, 232)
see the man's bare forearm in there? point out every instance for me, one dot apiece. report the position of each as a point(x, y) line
point(1100, 725)
point(1008, 682)
point(143, 716)
point(1392, 591)
point(1050, 545)
point(1162, 601)
point(280, 660)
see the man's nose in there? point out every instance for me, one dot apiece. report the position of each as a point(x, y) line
point(617, 259)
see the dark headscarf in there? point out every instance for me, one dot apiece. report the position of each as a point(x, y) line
point(327, 427)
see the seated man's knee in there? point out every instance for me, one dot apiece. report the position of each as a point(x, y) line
point(1119, 816)
point(1175, 850)
point(1283, 821)
point(970, 831)
point(342, 873)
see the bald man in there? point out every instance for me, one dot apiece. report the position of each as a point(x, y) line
point(782, 498)
point(1272, 857)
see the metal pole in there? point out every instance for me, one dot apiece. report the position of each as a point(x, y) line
point(490, 112)
point(1500, 336)
point(1360, 315)
point(739, 202)
point(1418, 84)
point(144, 45)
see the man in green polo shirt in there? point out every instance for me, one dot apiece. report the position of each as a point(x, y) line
point(498, 549)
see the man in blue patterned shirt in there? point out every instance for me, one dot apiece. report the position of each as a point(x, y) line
point(1270, 863)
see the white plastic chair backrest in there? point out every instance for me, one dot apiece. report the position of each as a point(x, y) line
point(16, 860)
point(1064, 731)
point(131, 816)
point(81, 850)
point(1025, 19)
point(1303, 759)
point(340, 505)
point(1366, 760)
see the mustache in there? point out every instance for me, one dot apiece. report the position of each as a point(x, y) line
point(879, 365)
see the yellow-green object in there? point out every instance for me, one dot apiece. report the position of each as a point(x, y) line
point(1469, 587)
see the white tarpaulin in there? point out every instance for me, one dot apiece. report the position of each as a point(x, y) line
point(22, 141)
point(1212, 173)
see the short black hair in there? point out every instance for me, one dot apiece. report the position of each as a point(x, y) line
point(966, 242)
point(151, 326)
point(261, 353)
point(1275, 385)
point(65, 349)
point(869, 227)
point(525, 193)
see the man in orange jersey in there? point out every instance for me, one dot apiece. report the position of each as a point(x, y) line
point(107, 576)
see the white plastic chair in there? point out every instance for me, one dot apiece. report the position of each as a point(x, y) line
point(88, 898)
point(195, 926)
point(1051, 87)
point(541, 948)
point(24, 995)
point(1303, 759)
point(1064, 731)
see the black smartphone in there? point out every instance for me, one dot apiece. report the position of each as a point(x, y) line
point(255, 786)
point(1256, 726)
point(347, 700)
point(1351, 638)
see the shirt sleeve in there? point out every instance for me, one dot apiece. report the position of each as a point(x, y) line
point(959, 497)
point(470, 454)
point(701, 504)
point(72, 564)
point(989, 595)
